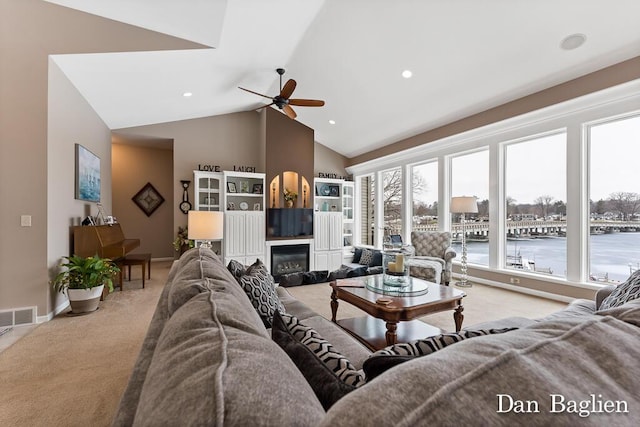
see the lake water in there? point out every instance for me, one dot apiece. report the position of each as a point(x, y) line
point(610, 253)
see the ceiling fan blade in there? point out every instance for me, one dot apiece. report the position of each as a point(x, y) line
point(264, 106)
point(288, 89)
point(255, 93)
point(307, 102)
point(289, 111)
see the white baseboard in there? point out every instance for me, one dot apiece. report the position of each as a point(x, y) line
point(522, 290)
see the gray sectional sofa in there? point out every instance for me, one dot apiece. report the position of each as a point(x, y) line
point(208, 359)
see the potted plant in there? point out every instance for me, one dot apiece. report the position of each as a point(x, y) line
point(182, 243)
point(84, 279)
point(290, 197)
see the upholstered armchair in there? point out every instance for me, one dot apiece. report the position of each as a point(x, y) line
point(433, 256)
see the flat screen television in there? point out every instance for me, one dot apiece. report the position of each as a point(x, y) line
point(289, 222)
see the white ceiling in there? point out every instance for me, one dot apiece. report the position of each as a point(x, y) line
point(466, 56)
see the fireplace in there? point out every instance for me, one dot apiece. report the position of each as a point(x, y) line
point(286, 259)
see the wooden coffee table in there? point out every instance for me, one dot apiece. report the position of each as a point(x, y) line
point(395, 321)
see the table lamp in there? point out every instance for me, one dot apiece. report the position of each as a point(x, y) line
point(463, 205)
point(205, 226)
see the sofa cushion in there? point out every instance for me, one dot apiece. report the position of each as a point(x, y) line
point(187, 282)
point(259, 286)
point(627, 291)
point(376, 260)
point(357, 254)
point(395, 354)
point(330, 374)
point(203, 369)
point(527, 365)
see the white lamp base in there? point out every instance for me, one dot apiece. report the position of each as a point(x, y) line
point(464, 284)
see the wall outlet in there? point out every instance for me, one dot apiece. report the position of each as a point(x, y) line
point(515, 280)
point(25, 220)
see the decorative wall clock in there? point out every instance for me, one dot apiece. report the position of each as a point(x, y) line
point(185, 205)
point(148, 199)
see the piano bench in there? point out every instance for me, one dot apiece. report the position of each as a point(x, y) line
point(143, 260)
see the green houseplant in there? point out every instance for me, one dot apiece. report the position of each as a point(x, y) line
point(83, 279)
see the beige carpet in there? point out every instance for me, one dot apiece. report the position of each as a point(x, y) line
point(72, 371)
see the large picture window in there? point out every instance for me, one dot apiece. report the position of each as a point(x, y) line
point(470, 177)
point(424, 197)
point(614, 195)
point(392, 201)
point(535, 205)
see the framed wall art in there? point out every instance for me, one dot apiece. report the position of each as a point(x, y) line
point(148, 199)
point(87, 183)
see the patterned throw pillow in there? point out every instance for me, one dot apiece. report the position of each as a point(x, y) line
point(237, 269)
point(623, 293)
point(367, 257)
point(388, 357)
point(330, 374)
point(259, 286)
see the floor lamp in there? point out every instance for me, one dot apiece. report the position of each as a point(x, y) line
point(205, 226)
point(464, 205)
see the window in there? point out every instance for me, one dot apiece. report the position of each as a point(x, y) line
point(392, 201)
point(366, 211)
point(470, 177)
point(535, 205)
point(424, 197)
point(614, 194)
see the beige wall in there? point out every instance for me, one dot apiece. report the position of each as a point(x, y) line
point(226, 141)
point(71, 121)
point(132, 168)
point(30, 30)
point(328, 161)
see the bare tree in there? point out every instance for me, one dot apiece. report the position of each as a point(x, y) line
point(392, 191)
point(511, 205)
point(626, 203)
point(543, 202)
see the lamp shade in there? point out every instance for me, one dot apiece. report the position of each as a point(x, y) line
point(464, 204)
point(205, 225)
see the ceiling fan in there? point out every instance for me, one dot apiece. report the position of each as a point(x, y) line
point(283, 102)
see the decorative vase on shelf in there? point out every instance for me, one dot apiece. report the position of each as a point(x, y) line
point(289, 203)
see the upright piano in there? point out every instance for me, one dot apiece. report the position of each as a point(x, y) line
point(107, 241)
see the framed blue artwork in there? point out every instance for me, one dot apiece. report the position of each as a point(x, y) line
point(87, 175)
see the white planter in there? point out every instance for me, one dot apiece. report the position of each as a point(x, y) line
point(84, 300)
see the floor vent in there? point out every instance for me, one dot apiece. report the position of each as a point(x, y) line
point(17, 317)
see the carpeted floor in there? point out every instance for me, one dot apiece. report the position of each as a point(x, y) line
point(71, 371)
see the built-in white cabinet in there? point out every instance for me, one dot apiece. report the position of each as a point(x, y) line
point(208, 196)
point(244, 237)
point(207, 191)
point(348, 214)
point(327, 240)
point(244, 217)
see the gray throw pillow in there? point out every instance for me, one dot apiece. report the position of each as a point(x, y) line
point(258, 284)
point(623, 293)
point(388, 357)
point(330, 374)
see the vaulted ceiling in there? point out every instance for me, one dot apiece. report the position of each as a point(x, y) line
point(466, 56)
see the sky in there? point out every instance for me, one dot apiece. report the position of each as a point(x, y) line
point(537, 167)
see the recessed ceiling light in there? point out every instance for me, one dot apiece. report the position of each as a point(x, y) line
point(407, 74)
point(332, 122)
point(187, 94)
point(573, 41)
